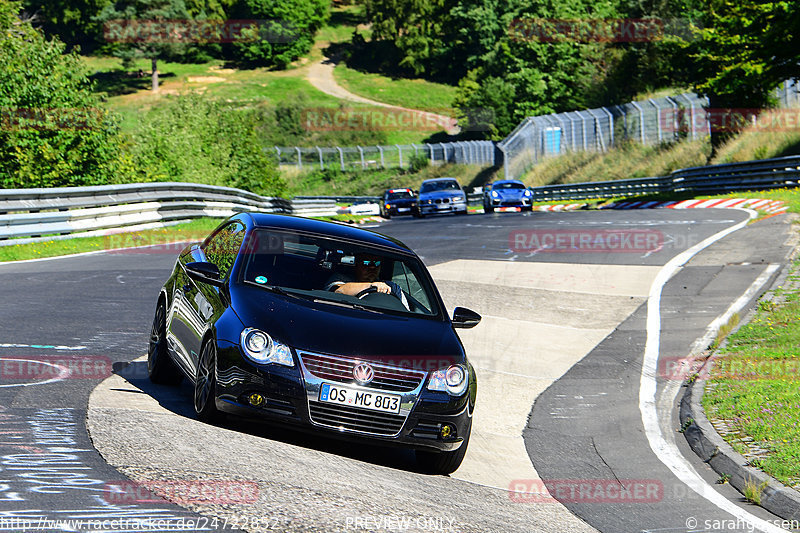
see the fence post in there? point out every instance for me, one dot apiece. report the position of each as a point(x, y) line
point(691, 114)
point(583, 131)
point(610, 126)
point(444, 153)
point(321, 164)
point(380, 149)
point(341, 157)
point(506, 171)
point(363, 163)
point(299, 157)
point(674, 117)
point(572, 133)
point(641, 121)
point(433, 157)
point(658, 118)
point(399, 155)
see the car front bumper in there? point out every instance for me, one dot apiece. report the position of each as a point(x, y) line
point(291, 396)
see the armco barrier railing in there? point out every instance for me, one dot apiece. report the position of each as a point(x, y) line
point(26, 215)
point(751, 175)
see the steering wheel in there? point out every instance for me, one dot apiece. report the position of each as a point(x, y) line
point(366, 292)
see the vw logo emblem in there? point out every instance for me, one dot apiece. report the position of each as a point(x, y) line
point(363, 373)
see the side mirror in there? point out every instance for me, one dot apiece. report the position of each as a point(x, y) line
point(204, 272)
point(465, 318)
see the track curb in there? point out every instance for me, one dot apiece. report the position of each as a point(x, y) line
point(709, 445)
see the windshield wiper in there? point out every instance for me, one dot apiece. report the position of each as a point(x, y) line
point(277, 290)
point(349, 305)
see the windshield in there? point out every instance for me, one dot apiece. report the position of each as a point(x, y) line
point(445, 185)
point(509, 185)
point(330, 271)
point(399, 195)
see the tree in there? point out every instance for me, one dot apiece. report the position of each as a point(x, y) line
point(152, 29)
point(73, 21)
point(53, 130)
point(285, 31)
point(745, 50)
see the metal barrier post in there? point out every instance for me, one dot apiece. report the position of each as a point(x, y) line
point(641, 121)
point(299, 157)
point(341, 157)
point(658, 115)
point(321, 164)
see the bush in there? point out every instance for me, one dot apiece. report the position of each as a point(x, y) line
point(53, 131)
point(418, 162)
point(200, 141)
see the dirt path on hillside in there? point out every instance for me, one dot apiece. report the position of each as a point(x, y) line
point(320, 75)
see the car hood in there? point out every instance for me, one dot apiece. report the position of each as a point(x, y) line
point(323, 328)
point(511, 193)
point(440, 194)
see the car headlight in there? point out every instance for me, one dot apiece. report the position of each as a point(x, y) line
point(459, 199)
point(262, 349)
point(452, 380)
point(495, 195)
point(528, 193)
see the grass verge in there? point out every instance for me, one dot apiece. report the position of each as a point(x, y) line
point(412, 94)
point(753, 386)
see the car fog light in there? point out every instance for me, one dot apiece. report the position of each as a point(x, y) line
point(447, 431)
point(255, 399)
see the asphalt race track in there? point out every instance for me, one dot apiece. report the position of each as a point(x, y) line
point(560, 356)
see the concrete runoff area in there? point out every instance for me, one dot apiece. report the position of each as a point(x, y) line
point(518, 351)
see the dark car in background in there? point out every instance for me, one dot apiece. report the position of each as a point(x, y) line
point(507, 193)
point(250, 318)
point(398, 202)
point(441, 195)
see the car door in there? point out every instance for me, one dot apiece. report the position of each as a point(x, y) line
point(201, 302)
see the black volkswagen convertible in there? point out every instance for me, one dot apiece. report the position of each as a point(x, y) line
point(320, 325)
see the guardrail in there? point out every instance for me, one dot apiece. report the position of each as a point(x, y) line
point(730, 177)
point(27, 215)
point(30, 215)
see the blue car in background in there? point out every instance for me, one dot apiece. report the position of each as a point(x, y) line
point(506, 193)
point(441, 195)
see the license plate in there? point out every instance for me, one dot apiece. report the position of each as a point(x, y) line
point(402, 209)
point(374, 401)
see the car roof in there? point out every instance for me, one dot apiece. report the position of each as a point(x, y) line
point(507, 181)
point(333, 230)
point(440, 179)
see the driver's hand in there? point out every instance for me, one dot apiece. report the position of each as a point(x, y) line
point(382, 287)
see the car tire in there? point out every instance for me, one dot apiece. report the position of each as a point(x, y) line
point(527, 208)
point(161, 368)
point(205, 384)
point(488, 208)
point(443, 463)
point(384, 213)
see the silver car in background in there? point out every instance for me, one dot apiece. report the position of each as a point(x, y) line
point(441, 195)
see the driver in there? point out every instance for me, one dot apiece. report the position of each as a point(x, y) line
point(367, 268)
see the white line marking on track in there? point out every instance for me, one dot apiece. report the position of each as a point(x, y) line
point(42, 346)
point(63, 373)
point(667, 452)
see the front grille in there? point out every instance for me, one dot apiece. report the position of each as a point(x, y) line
point(389, 378)
point(443, 201)
point(355, 419)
